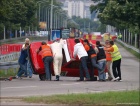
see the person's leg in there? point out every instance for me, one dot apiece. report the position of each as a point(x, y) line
point(55, 65)
point(60, 65)
point(119, 69)
point(91, 71)
point(81, 71)
point(50, 63)
point(103, 69)
point(29, 69)
point(108, 70)
point(100, 75)
point(22, 70)
point(26, 72)
point(114, 66)
point(94, 63)
point(84, 65)
point(46, 65)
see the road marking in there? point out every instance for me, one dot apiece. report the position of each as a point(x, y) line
point(71, 84)
point(19, 87)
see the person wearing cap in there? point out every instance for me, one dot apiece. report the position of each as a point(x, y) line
point(47, 58)
point(80, 51)
point(28, 72)
point(56, 48)
point(108, 60)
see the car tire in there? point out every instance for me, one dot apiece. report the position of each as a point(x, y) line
point(42, 77)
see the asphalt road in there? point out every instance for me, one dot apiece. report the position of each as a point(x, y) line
point(67, 85)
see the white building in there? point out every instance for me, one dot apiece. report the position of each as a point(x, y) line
point(74, 8)
point(78, 8)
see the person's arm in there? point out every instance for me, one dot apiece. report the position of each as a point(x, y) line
point(75, 52)
point(110, 49)
point(92, 43)
point(86, 47)
point(96, 49)
point(39, 50)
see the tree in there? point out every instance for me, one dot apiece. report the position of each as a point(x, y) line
point(120, 13)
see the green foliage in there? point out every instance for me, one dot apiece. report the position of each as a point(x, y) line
point(120, 13)
point(89, 99)
point(89, 25)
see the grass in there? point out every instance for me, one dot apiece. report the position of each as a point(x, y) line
point(105, 98)
point(10, 72)
point(136, 54)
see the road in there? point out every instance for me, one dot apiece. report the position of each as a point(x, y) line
point(67, 85)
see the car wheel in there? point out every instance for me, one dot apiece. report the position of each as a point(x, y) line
point(42, 77)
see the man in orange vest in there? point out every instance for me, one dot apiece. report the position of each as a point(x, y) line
point(109, 60)
point(46, 55)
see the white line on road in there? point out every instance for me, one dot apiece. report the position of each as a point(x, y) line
point(19, 87)
point(71, 84)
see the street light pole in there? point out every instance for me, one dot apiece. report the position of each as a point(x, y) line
point(51, 19)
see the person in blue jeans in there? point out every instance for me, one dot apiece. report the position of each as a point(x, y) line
point(101, 59)
point(47, 57)
point(80, 51)
point(22, 61)
point(28, 71)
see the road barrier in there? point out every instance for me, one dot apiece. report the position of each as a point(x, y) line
point(10, 48)
point(9, 57)
point(7, 65)
point(129, 46)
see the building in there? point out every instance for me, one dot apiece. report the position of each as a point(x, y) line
point(77, 7)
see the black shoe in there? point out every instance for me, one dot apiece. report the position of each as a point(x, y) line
point(30, 76)
point(101, 80)
point(57, 78)
point(80, 80)
point(87, 79)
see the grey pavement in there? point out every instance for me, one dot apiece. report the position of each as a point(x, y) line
point(67, 85)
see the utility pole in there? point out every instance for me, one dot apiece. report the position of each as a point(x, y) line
point(89, 26)
point(51, 19)
point(4, 33)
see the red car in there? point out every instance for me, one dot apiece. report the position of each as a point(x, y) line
point(69, 68)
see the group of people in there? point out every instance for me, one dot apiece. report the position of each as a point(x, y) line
point(99, 55)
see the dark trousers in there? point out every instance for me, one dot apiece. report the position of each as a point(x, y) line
point(83, 67)
point(47, 64)
point(116, 68)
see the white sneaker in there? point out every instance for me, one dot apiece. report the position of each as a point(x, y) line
point(116, 78)
point(17, 77)
point(120, 80)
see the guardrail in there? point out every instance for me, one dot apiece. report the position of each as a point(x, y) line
point(7, 65)
point(9, 57)
point(23, 38)
point(129, 46)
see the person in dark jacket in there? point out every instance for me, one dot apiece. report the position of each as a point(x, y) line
point(92, 56)
point(22, 61)
point(101, 59)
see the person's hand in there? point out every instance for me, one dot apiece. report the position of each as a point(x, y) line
point(72, 59)
point(37, 51)
point(82, 38)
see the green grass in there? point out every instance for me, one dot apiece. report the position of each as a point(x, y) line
point(136, 54)
point(105, 98)
point(10, 72)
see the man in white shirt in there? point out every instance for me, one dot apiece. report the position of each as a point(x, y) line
point(57, 56)
point(80, 51)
